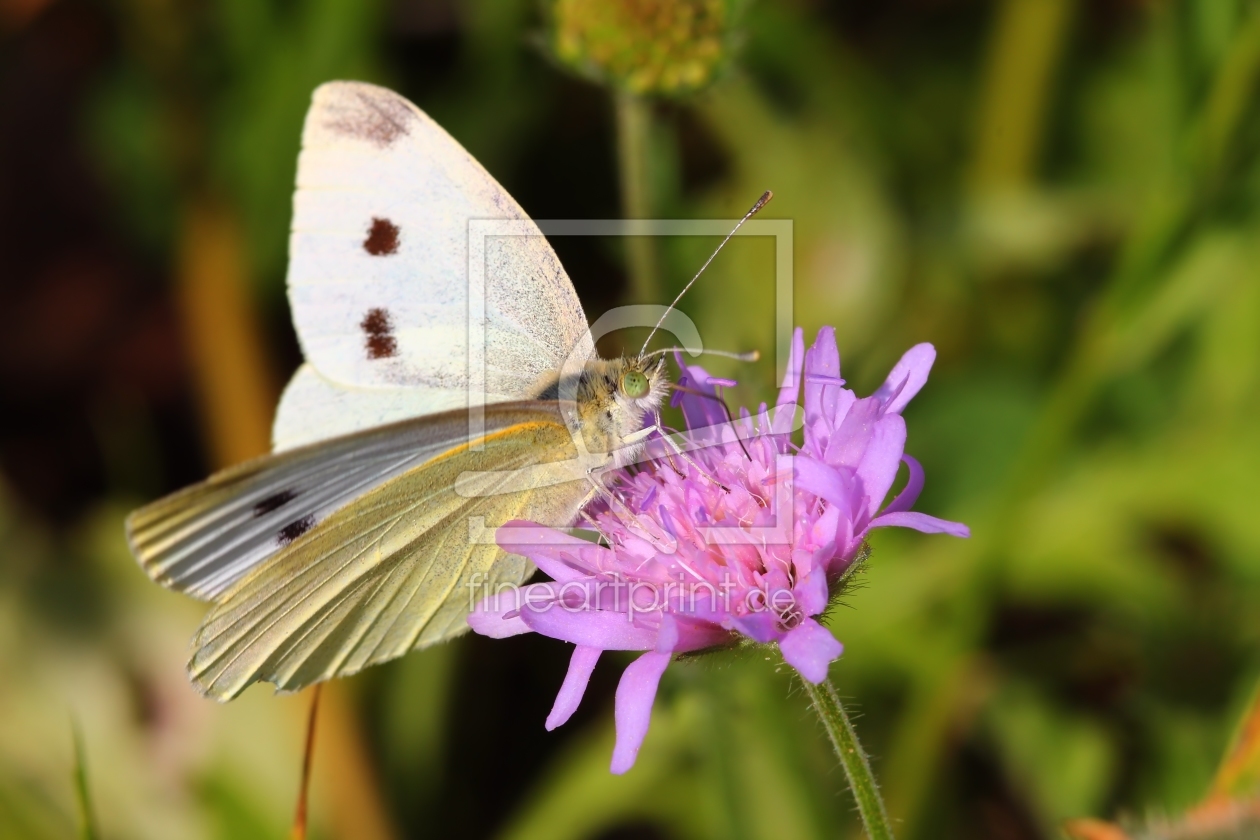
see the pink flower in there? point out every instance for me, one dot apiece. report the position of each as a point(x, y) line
point(743, 534)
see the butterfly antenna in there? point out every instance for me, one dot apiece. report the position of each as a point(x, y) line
point(749, 356)
point(761, 202)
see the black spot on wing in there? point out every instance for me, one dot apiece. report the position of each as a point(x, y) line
point(378, 333)
point(275, 502)
point(293, 530)
point(379, 117)
point(382, 238)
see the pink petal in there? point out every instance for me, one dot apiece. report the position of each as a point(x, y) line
point(906, 378)
point(825, 406)
point(699, 409)
point(490, 616)
point(603, 629)
point(836, 486)
point(635, 695)
point(667, 635)
point(822, 532)
point(822, 378)
point(759, 626)
point(496, 626)
point(852, 436)
point(562, 556)
point(695, 634)
point(581, 665)
point(790, 390)
point(878, 467)
point(823, 359)
point(810, 649)
point(811, 593)
point(914, 486)
point(846, 546)
point(920, 522)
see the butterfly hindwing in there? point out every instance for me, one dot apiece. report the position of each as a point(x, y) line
point(205, 538)
point(389, 572)
point(314, 409)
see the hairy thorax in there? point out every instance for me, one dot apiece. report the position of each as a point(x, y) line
point(608, 418)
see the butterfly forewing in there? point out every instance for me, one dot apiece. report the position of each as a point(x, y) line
point(389, 572)
point(378, 273)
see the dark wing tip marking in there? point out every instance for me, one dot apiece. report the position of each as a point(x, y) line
point(379, 334)
point(295, 529)
point(275, 502)
point(379, 118)
point(382, 238)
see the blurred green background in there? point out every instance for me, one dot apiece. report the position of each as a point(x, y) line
point(1063, 196)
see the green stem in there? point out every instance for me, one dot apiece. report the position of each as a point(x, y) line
point(1026, 48)
point(634, 129)
point(852, 757)
point(87, 818)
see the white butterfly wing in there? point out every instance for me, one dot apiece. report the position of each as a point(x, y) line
point(205, 538)
point(314, 409)
point(379, 275)
point(329, 558)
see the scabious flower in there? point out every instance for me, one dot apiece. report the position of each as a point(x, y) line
point(737, 533)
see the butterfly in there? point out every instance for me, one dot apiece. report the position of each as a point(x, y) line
point(351, 543)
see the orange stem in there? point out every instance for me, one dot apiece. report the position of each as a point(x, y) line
point(299, 816)
point(1239, 773)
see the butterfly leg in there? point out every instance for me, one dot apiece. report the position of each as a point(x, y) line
point(634, 444)
point(671, 444)
point(660, 540)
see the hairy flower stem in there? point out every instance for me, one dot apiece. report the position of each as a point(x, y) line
point(634, 140)
point(852, 757)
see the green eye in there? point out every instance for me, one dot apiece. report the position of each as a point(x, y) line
point(634, 384)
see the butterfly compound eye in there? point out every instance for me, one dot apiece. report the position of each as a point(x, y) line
point(634, 384)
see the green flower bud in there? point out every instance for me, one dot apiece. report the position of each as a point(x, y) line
point(645, 47)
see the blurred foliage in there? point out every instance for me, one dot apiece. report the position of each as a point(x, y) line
point(1063, 197)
